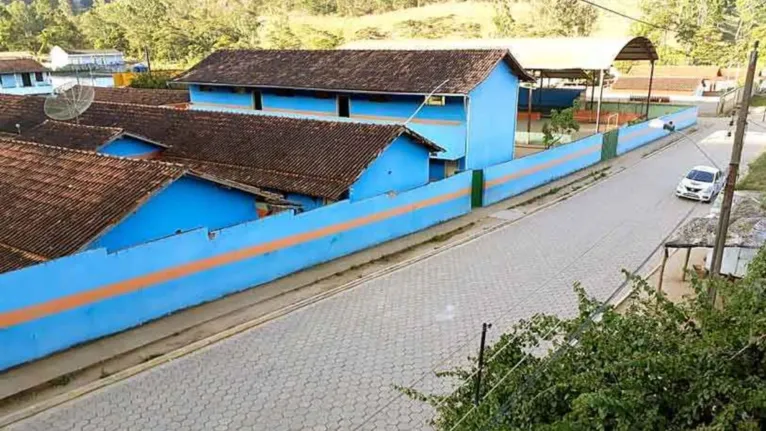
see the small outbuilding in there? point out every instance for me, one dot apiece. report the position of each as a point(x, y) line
point(24, 76)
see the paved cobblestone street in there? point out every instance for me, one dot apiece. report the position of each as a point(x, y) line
point(332, 365)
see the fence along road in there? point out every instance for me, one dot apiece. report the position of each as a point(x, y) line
point(332, 365)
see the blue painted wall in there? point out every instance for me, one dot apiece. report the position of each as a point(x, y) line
point(219, 96)
point(436, 170)
point(638, 135)
point(8, 80)
point(492, 119)
point(402, 166)
point(127, 146)
point(307, 202)
point(186, 204)
point(546, 99)
point(304, 102)
point(517, 176)
point(451, 137)
point(341, 228)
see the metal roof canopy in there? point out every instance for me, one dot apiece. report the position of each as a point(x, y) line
point(564, 54)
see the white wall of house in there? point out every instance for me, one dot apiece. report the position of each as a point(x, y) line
point(60, 58)
point(14, 83)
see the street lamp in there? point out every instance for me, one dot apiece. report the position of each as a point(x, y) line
point(670, 127)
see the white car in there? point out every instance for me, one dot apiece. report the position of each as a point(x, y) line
point(702, 183)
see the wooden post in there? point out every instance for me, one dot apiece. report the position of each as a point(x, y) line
point(686, 263)
point(662, 268)
point(649, 95)
point(600, 96)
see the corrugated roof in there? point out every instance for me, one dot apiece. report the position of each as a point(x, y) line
point(408, 72)
point(20, 65)
point(313, 157)
point(681, 85)
point(747, 226)
point(558, 53)
point(698, 72)
point(141, 96)
point(92, 51)
point(56, 200)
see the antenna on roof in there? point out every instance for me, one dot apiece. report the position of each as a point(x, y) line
point(68, 101)
point(425, 101)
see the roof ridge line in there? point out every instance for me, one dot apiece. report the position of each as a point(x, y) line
point(93, 153)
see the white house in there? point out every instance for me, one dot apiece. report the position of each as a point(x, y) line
point(86, 58)
point(24, 76)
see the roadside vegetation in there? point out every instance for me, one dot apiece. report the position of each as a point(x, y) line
point(655, 365)
point(178, 33)
point(756, 176)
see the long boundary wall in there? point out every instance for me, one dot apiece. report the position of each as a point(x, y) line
point(632, 137)
point(61, 303)
point(517, 176)
point(58, 304)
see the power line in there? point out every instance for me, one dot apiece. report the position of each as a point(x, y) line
point(572, 339)
point(627, 16)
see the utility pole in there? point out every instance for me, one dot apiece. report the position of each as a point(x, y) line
point(731, 178)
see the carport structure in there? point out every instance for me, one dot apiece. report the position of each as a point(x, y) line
point(560, 57)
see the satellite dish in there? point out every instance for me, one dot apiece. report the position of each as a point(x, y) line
point(68, 101)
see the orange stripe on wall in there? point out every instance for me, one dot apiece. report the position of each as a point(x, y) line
point(402, 120)
point(37, 311)
point(543, 166)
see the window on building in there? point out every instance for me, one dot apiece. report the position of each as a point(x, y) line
point(39, 76)
point(284, 92)
point(435, 101)
point(257, 100)
point(344, 106)
point(380, 98)
point(26, 80)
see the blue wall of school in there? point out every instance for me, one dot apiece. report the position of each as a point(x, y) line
point(129, 147)
point(632, 137)
point(402, 166)
point(451, 137)
point(548, 98)
point(245, 255)
point(517, 176)
point(186, 204)
point(8, 80)
point(436, 170)
point(223, 96)
point(302, 101)
point(492, 120)
point(307, 202)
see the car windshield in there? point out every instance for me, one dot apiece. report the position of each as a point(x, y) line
point(701, 176)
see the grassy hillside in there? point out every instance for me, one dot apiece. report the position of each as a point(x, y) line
point(458, 19)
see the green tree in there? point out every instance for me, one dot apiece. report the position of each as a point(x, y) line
point(564, 18)
point(562, 123)
point(37, 26)
point(655, 365)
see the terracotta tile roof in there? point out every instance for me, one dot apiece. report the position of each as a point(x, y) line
point(699, 72)
point(683, 85)
point(27, 112)
point(387, 71)
point(11, 259)
point(69, 135)
point(19, 65)
point(313, 157)
point(56, 200)
point(141, 96)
